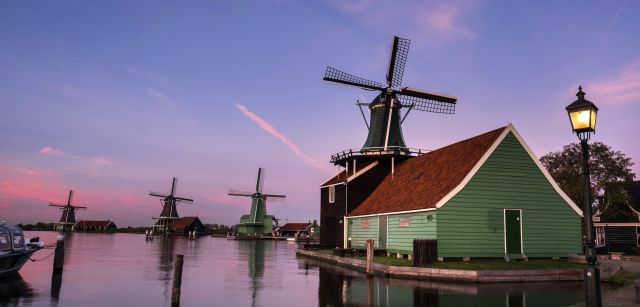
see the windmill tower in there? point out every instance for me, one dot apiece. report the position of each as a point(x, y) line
point(169, 208)
point(385, 146)
point(257, 222)
point(68, 218)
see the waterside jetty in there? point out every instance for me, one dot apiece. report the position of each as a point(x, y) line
point(476, 276)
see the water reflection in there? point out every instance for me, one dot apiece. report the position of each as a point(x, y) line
point(127, 270)
point(344, 287)
point(166, 255)
point(253, 251)
point(14, 290)
point(56, 284)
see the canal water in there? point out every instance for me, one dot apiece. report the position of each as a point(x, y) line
point(126, 270)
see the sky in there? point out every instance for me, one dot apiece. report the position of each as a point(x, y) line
point(114, 98)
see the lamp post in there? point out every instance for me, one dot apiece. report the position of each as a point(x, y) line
point(582, 114)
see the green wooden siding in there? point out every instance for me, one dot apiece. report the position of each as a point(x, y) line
point(472, 222)
point(360, 235)
point(400, 239)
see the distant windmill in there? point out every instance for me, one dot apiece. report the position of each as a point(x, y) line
point(257, 222)
point(385, 132)
point(68, 218)
point(169, 210)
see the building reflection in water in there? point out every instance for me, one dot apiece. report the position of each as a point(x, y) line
point(15, 291)
point(345, 287)
point(166, 255)
point(254, 252)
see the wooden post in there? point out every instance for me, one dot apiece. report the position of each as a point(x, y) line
point(58, 258)
point(369, 256)
point(177, 281)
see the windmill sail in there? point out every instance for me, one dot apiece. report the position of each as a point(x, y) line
point(385, 122)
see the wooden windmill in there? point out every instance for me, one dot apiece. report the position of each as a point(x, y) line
point(68, 218)
point(385, 124)
point(169, 208)
point(257, 222)
point(366, 167)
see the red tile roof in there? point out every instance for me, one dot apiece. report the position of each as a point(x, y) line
point(294, 226)
point(420, 182)
point(86, 223)
point(183, 222)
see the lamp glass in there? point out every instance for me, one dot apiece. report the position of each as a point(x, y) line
point(583, 120)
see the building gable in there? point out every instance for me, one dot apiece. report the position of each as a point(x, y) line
point(515, 138)
point(472, 221)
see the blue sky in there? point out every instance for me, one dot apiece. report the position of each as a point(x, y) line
point(114, 98)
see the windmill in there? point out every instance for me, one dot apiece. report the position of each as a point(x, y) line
point(385, 124)
point(68, 218)
point(169, 210)
point(257, 222)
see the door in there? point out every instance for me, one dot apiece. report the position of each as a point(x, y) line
point(513, 231)
point(382, 231)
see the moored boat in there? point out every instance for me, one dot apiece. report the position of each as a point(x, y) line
point(14, 251)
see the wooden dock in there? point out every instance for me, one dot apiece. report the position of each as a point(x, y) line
point(254, 237)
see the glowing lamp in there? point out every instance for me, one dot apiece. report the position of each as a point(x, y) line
point(582, 114)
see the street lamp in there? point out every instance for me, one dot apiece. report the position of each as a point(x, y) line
point(582, 114)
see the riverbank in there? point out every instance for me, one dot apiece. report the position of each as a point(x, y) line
point(460, 275)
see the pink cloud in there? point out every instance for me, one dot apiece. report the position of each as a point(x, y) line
point(620, 89)
point(266, 126)
point(444, 20)
point(439, 20)
point(52, 151)
point(225, 199)
point(158, 96)
point(34, 172)
point(101, 161)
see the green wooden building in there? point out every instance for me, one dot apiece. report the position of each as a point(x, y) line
point(484, 197)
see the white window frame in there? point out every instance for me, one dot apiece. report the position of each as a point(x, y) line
point(404, 221)
point(365, 223)
point(600, 235)
point(332, 194)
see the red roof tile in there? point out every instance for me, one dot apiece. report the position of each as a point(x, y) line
point(420, 182)
point(182, 222)
point(294, 226)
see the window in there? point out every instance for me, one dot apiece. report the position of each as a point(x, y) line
point(404, 221)
point(600, 235)
point(365, 223)
point(332, 194)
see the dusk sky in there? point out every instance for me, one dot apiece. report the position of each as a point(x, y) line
point(114, 98)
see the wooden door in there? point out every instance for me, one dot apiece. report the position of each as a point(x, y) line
point(513, 231)
point(382, 231)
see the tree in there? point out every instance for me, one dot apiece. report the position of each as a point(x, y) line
point(608, 167)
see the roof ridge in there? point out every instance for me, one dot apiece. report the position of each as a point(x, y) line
point(437, 172)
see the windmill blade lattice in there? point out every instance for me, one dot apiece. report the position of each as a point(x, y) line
point(399, 54)
point(338, 76)
point(152, 193)
point(174, 184)
point(235, 192)
point(260, 184)
point(427, 105)
point(184, 200)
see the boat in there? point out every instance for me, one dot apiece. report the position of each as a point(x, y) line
point(14, 251)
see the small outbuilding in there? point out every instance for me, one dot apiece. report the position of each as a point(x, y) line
point(484, 197)
point(186, 224)
point(95, 226)
point(295, 230)
point(618, 224)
